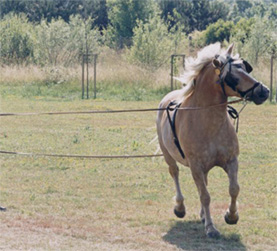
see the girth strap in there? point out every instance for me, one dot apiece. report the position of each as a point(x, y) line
point(231, 110)
point(234, 115)
point(172, 124)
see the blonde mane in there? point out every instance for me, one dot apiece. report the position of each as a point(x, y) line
point(195, 65)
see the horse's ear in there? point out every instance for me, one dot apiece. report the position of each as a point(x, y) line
point(216, 63)
point(230, 49)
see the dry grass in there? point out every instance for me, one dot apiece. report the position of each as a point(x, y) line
point(112, 70)
point(69, 204)
point(112, 67)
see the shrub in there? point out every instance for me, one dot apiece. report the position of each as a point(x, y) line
point(59, 42)
point(16, 40)
point(123, 15)
point(219, 31)
point(256, 39)
point(152, 43)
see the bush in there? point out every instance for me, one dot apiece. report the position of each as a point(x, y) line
point(16, 40)
point(123, 16)
point(152, 43)
point(46, 43)
point(59, 42)
point(257, 39)
point(218, 32)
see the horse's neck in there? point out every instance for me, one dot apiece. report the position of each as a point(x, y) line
point(207, 91)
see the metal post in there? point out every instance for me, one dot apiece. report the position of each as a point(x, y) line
point(271, 78)
point(183, 61)
point(83, 77)
point(95, 58)
point(171, 84)
point(87, 77)
point(276, 87)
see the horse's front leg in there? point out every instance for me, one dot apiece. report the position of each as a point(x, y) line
point(231, 216)
point(200, 180)
point(202, 214)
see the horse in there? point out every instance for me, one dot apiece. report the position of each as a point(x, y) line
point(195, 130)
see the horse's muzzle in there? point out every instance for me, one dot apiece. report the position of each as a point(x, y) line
point(259, 94)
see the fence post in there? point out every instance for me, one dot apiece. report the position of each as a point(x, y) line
point(87, 58)
point(172, 67)
point(83, 77)
point(183, 61)
point(95, 58)
point(171, 83)
point(271, 78)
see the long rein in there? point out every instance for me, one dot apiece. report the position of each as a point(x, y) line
point(233, 113)
point(119, 111)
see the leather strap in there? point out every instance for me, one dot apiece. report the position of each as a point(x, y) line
point(172, 124)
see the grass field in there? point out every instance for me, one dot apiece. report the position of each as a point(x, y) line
point(78, 204)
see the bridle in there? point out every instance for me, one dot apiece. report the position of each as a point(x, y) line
point(230, 80)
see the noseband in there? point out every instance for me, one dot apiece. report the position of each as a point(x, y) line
point(230, 80)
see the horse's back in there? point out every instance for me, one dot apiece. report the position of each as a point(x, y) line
point(171, 96)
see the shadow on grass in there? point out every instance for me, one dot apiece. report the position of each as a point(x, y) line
point(190, 235)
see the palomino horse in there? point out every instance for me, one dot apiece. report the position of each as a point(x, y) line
point(200, 135)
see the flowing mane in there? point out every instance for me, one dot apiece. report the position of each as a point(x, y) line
point(195, 65)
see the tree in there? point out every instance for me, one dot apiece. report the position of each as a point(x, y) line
point(248, 9)
point(59, 42)
point(169, 8)
point(152, 43)
point(15, 6)
point(36, 10)
point(243, 5)
point(262, 39)
point(123, 15)
point(218, 31)
point(194, 14)
point(243, 27)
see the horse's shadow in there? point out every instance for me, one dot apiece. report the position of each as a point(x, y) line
point(189, 235)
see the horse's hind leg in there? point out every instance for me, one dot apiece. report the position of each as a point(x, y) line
point(231, 216)
point(179, 209)
point(202, 214)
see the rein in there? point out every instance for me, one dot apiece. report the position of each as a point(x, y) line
point(116, 111)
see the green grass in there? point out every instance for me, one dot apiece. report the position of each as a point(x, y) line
point(69, 204)
point(71, 90)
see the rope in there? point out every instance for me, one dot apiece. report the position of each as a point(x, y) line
point(98, 112)
point(81, 156)
point(116, 111)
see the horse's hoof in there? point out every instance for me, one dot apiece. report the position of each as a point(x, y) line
point(203, 220)
point(3, 209)
point(213, 234)
point(179, 214)
point(231, 221)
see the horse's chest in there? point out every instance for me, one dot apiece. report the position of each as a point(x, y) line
point(214, 147)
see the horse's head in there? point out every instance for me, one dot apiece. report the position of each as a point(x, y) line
point(235, 79)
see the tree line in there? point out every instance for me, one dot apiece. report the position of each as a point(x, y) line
point(52, 30)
